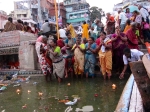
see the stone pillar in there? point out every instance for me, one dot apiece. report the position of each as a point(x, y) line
point(27, 56)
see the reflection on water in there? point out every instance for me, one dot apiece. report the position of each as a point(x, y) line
point(93, 92)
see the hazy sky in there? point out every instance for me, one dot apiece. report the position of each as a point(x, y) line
point(106, 5)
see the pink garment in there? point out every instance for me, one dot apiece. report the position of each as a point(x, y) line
point(39, 39)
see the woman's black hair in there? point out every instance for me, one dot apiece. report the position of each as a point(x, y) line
point(54, 40)
point(127, 9)
point(128, 22)
point(68, 33)
point(92, 38)
point(126, 50)
point(84, 22)
point(103, 33)
point(135, 11)
point(10, 19)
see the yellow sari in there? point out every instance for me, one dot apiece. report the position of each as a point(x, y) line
point(79, 59)
point(72, 31)
point(85, 33)
point(105, 59)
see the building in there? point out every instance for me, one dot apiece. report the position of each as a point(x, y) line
point(77, 11)
point(61, 13)
point(3, 17)
point(145, 3)
point(21, 10)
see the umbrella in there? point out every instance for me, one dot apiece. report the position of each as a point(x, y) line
point(133, 8)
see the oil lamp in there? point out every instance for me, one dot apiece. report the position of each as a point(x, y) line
point(114, 86)
point(29, 91)
point(18, 91)
point(40, 93)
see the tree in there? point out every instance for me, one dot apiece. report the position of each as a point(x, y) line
point(96, 12)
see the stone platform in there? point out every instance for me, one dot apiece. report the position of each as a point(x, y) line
point(20, 72)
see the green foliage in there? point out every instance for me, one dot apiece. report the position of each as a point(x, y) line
point(95, 12)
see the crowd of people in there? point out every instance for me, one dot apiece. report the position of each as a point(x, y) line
point(77, 50)
point(21, 26)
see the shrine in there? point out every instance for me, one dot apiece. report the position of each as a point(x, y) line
point(17, 53)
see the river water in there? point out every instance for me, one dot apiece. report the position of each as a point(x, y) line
point(92, 92)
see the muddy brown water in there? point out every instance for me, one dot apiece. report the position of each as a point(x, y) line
point(105, 101)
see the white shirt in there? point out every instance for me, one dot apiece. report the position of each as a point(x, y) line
point(135, 56)
point(62, 33)
point(144, 13)
point(45, 27)
point(123, 18)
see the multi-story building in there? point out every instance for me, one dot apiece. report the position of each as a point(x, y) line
point(145, 3)
point(77, 11)
point(61, 13)
point(3, 17)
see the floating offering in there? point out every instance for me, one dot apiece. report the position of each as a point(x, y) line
point(40, 94)
point(29, 91)
point(25, 106)
point(68, 84)
point(96, 95)
point(18, 91)
point(114, 86)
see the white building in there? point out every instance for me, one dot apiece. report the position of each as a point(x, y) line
point(145, 3)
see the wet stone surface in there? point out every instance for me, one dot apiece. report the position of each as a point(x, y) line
point(36, 95)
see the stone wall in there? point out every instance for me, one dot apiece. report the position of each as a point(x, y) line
point(10, 41)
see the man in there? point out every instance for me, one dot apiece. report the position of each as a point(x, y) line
point(9, 26)
point(122, 20)
point(144, 13)
point(62, 33)
point(46, 28)
point(130, 55)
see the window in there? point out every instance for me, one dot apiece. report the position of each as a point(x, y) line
point(18, 15)
point(24, 15)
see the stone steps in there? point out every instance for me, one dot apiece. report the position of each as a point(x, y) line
point(20, 72)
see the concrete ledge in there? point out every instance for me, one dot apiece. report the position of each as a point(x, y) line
point(124, 101)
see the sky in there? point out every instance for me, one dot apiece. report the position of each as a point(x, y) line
point(106, 5)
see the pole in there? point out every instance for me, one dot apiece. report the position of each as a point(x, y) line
point(56, 15)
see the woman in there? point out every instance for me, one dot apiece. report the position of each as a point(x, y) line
point(69, 43)
point(132, 36)
point(70, 29)
point(128, 26)
point(105, 55)
point(78, 49)
point(90, 57)
point(85, 33)
point(57, 59)
point(27, 28)
point(45, 62)
point(110, 24)
point(128, 14)
point(119, 42)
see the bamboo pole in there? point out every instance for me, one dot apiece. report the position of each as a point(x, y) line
point(56, 15)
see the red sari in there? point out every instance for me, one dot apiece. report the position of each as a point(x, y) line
point(132, 39)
